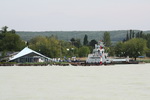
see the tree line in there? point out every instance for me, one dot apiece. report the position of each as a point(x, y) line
point(46, 45)
point(135, 44)
point(52, 47)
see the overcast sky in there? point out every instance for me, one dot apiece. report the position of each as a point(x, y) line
point(71, 15)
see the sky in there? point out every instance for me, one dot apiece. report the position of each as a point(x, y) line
point(75, 15)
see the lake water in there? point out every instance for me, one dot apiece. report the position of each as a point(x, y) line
point(114, 82)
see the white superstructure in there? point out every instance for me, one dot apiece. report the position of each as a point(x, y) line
point(98, 55)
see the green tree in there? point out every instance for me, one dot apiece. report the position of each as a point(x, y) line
point(13, 31)
point(4, 29)
point(92, 43)
point(68, 50)
point(130, 37)
point(135, 47)
point(138, 35)
point(141, 34)
point(127, 37)
point(12, 42)
point(48, 46)
point(75, 42)
point(84, 51)
point(72, 40)
point(85, 41)
point(9, 41)
point(133, 34)
point(148, 42)
point(106, 39)
point(120, 49)
point(52, 47)
point(111, 51)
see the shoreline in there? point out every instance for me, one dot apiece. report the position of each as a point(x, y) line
point(49, 65)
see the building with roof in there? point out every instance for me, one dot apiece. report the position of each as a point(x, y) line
point(29, 55)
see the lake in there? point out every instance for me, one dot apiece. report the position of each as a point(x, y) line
point(112, 82)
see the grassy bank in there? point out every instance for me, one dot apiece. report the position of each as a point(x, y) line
point(146, 60)
point(33, 64)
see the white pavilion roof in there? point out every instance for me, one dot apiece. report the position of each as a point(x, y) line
point(26, 51)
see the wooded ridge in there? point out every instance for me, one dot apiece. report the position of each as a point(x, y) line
point(117, 35)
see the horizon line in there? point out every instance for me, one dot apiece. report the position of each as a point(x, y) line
point(79, 30)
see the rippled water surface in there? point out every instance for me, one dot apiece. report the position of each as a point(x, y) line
point(115, 82)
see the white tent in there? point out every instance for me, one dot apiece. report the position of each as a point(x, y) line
point(27, 51)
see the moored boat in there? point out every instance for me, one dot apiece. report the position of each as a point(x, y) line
point(99, 56)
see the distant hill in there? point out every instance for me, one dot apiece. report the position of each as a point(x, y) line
point(118, 35)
